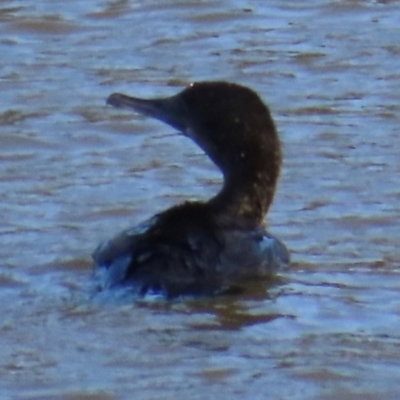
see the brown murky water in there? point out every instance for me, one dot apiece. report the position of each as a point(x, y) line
point(73, 172)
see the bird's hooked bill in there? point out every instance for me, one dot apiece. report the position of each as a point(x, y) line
point(170, 110)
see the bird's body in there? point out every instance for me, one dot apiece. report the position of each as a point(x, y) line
point(205, 248)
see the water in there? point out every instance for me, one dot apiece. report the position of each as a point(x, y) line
point(73, 172)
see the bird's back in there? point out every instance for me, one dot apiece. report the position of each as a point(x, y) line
point(173, 253)
point(183, 251)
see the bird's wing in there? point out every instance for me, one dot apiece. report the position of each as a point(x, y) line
point(158, 257)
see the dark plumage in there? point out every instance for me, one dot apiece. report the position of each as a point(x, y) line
point(206, 248)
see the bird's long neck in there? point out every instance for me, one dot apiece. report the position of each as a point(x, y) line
point(249, 187)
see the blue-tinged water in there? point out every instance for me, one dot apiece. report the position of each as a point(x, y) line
point(73, 172)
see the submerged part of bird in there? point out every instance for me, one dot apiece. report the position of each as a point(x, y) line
point(205, 248)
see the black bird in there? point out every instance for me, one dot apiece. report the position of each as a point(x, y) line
point(199, 248)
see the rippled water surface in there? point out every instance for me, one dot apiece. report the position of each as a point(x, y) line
point(73, 172)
